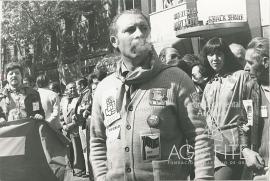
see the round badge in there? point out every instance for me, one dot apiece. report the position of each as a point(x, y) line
point(153, 121)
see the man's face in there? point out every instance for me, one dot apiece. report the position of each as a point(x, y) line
point(26, 83)
point(255, 67)
point(79, 87)
point(14, 77)
point(172, 56)
point(71, 89)
point(132, 37)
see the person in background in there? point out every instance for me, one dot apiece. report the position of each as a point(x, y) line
point(50, 102)
point(255, 138)
point(239, 53)
point(222, 105)
point(101, 74)
point(82, 112)
point(27, 81)
point(185, 67)
point(199, 78)
point(143, 111)
point(93, 88)
point(71, 129)
point(169, 56)
point(190, 59)
point(55, 87)
point(16, 100)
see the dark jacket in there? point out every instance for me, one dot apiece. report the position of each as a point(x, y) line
point(84, 104)
point(252, 135)
point(32, 98)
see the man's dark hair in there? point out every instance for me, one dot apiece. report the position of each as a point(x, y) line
point(14, 65)
point(113, 29)
point(202, 69)
point(42, 81)
point(83, 81)
point(185, 67)
point(213, 46)
point(191, 59)
point(54, 86)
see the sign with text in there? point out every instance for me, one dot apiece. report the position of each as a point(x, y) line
point(221, 11)
point(186, 18)
point(226, 18)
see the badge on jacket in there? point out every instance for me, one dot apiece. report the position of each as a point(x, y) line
point(111, 115)
point(150, 146)
point(158, 97)
point(35, 106)
point(248, 104)
point(263, 112)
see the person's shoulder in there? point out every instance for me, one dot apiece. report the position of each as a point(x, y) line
point(241, 73)
point(174, 73)
point(107, 81)
point(30, 91)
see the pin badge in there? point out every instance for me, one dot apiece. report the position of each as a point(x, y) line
point(158, 97)
point(153, 121)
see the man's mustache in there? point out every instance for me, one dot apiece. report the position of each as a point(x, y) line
point(141, 46)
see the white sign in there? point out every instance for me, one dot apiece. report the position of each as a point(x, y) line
point(221, 11)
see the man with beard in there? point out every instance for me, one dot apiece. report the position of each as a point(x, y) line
point(143, 113)
point(18, 101)
point(255, 139)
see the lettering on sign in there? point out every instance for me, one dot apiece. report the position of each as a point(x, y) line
point(225, 18)
point(185, 19)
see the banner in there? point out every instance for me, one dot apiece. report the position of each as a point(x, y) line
point(30, 150)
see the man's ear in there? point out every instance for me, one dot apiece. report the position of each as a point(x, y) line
point(114, 41)
point(265, 62)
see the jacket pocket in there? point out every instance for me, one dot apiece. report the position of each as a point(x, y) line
point(166, 170)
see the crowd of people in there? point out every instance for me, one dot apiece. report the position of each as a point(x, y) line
point(166, 117)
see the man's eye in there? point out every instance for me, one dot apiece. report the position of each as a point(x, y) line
point(143, 28)
point(131, 29)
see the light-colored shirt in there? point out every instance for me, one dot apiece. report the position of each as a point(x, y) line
point(51, 105)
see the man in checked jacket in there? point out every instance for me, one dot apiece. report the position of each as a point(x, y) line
point(143, 113)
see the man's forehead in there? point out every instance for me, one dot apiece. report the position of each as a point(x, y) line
point(126, 20)
point(251, 55)
point(14, 70)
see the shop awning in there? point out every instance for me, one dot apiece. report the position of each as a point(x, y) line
point(211, 30)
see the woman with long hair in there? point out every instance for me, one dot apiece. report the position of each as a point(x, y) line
point(223, 106)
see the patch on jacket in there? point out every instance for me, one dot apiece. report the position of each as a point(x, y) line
point(110, 106)
point(111, 114)
point(158, 97)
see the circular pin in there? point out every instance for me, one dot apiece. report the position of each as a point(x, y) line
point(153, 121)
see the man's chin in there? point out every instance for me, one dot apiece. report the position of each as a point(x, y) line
point(15, 84)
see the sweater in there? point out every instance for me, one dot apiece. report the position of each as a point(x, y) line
point(142, 140)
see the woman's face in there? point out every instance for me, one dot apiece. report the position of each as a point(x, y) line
point(216, 60)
